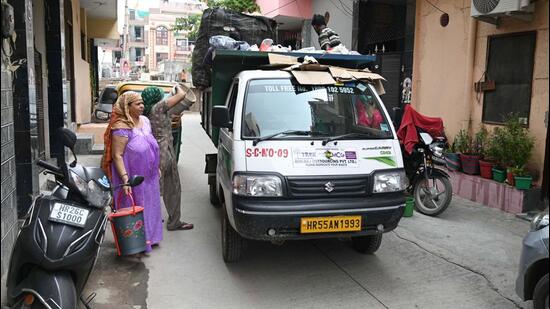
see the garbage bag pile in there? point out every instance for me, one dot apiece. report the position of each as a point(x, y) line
point(241, 28)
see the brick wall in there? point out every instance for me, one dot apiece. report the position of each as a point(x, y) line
point(8, 196)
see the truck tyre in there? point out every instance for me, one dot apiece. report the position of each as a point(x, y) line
point(232, 242)
point(366, 244)
point(540, 294)
point(214, 199)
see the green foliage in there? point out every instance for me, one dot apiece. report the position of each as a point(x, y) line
point(471, 145)
point(512, 145)
point(245, 6)
point(480, 140)
point(191, 25)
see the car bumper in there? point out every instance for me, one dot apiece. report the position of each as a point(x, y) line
point(533, 250)
point(254, 217)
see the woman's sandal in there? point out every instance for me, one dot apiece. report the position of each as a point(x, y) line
point(182, 226)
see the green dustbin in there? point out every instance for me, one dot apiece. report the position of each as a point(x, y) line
point(409, 207)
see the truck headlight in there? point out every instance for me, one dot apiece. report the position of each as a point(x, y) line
point(539, 222)
point(257, 185)
point(389, 181)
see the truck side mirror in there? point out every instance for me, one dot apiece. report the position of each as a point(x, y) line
point(220, 117)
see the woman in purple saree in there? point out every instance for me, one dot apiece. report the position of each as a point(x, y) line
point(134, 151)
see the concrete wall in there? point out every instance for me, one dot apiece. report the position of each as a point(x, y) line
point(442, 66)
point(340, 21)
point(8, 193)
point(102, 28)
point(83, 91)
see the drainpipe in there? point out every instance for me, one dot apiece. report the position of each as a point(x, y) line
point(470, 62)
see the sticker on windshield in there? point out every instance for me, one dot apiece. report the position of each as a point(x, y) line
point(384, 127)
point(324, 157)
point(361, 87)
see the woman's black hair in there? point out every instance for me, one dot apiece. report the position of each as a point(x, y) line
point(318, 20)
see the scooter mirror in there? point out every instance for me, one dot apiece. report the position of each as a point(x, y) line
point(426, 138)
point(67, 137)
point(136, 181)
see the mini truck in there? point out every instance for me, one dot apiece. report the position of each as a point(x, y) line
point(300, 156)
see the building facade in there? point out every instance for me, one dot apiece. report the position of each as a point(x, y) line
point(164, 44)
point(49, 87)
point(450, 59)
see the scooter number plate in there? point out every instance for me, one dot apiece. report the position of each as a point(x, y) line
point(69, 215)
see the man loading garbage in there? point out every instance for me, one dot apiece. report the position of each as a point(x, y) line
point(328, 39)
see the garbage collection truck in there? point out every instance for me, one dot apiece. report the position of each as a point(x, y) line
point(304, 151)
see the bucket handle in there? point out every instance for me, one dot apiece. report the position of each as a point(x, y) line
point(131, 199)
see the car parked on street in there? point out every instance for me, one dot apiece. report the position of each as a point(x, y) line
point(104, 104)
point(532, 280)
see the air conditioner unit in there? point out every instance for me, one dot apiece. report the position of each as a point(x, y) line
point(492, 9)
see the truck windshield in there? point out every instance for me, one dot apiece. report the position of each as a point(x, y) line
point(349, 111)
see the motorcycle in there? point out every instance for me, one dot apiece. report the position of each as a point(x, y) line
point(59, 241)
point(429, 185)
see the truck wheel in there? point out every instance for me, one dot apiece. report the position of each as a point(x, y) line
point(214, 199)
point(540, 294)
point(232, 242)
point(366, 244)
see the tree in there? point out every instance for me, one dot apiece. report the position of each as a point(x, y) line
point(246, 6)
point(191, 25)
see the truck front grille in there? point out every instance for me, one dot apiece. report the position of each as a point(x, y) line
point(328, 186)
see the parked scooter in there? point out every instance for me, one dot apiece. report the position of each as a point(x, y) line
point(59, 240)
point(429, 185)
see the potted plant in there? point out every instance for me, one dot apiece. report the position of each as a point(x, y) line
point(521, 144)
point(522, 179)
point(452, 158)
point(469, 153)
point(486, 162)
point(495, 149)
point(512, 146)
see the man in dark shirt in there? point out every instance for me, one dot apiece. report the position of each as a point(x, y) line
point(328, 39)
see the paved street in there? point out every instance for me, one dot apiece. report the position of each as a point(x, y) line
point(466, 258)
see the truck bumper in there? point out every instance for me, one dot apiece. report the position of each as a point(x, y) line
point(255, 217)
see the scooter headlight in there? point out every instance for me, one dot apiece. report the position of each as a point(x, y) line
point(98, 196)
point(91, 191)
point(79, 183)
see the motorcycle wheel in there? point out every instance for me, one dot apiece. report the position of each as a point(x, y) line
point(433, 195)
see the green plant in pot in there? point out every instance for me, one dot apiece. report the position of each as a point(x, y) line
point(521, 144)
point(452, 157)
point(511, 146)
point(486, 162)
point(498, 153)
point(469, 152)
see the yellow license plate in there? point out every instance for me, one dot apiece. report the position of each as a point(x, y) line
point(330, 224)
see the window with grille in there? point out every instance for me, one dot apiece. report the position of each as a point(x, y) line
point(510, 60)
point(138, 32)
point(182, 45)
point(162, 36)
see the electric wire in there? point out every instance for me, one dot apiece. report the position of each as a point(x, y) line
point(282, 6)
point(436, 7)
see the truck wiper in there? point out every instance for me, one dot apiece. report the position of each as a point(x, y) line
point(354, 134)
point(288, 132)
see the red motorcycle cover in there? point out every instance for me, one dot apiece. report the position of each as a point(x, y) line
point(407, 133)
